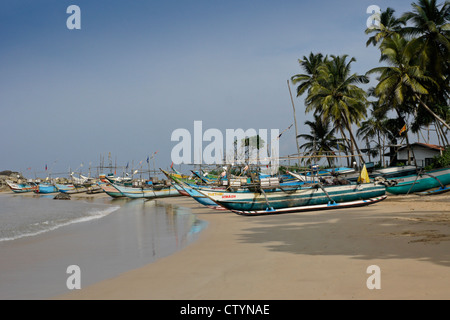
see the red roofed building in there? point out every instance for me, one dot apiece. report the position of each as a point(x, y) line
point(423, 152)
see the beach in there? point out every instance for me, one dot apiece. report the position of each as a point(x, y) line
point(318, 255)
point(41, 239)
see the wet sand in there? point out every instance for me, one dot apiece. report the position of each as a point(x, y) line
point(301, 256)
point(134, 234)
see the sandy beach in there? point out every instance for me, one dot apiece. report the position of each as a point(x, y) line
point(301, 256)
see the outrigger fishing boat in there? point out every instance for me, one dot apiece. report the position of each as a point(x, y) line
point(186, 189)
point(110, 190)
point(21, 187)
point(269, 196)
point(146, 191)
point(421, 181)
point(301, 198)
point(45, 188)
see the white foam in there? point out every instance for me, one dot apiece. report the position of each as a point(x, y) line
point(93, 215)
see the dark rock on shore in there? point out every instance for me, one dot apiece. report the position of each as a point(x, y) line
point(62, 196)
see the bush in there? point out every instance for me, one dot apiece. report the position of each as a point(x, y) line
point(442, 161)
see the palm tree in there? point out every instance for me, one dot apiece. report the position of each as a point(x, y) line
point(403, 79)
point(373, 127)
point(310, 65)
point(389, 25)
point(431, 25)
point(335, 95)
point(321, 141)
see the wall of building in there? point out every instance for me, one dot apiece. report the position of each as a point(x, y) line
point(423, 155)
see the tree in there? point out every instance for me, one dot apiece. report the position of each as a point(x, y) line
point(334, 95)
point(250, 144)
point(373, 127)
point(403, 79)
point(321, 141)
point(389, 25)
point(310, 65)
point(430, 25)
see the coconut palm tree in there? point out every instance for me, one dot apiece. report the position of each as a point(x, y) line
point(334, 95)
point(389, 25)
point(310, 65)
point(372, 128)
point(403, 83)
point(430, 24)
point(321, 141)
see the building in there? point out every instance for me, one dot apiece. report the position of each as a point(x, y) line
point(423, 152)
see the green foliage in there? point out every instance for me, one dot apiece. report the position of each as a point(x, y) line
point(442, 161)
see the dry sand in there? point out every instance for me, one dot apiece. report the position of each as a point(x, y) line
point(298, 256)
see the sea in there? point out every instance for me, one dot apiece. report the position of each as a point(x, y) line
point(43, 240)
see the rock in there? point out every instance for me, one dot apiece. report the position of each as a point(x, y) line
point(62, 196)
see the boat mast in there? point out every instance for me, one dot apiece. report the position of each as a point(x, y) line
point(295, 118)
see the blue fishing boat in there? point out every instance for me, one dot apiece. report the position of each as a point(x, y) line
point(305, 198)
point(147, 191)
point(46, 188)
point(21, 187)
point(419, 182)
point(71, 188)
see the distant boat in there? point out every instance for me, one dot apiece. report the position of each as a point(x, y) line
point(190, 191)
point(199, 197)
point(110, 190)
point(419, 182)
point(306, 198)
point(147, 192)
point(46, 188)
point(392, 172)
point(21, 187)
point(70, 188)
point(81, 179)
point(181, 190)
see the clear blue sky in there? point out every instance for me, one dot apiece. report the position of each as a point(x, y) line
point(137, 70)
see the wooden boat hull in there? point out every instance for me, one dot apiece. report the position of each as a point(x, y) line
point(304, 198)
point(414, 183)
point(147, 193)
point(20, 187)
point(181, 190)
point(71, 188)
point(110, 190)
point(46, 188)
point(436, 191)
point(328, 206)
point(394, 172)
point(200, 198)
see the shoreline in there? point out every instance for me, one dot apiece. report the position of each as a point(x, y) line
point(132, 236)
point(300, 256)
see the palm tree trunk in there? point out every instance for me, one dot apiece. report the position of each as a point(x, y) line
point(408, 146)
point(431, 111)
point(353, 140)
point(344, 137)
point(380, 150)
point(368, 149)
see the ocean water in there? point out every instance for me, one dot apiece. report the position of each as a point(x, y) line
point(40, 238)
point(25, 216)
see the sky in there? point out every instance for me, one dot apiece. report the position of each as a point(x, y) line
point(138, 70)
